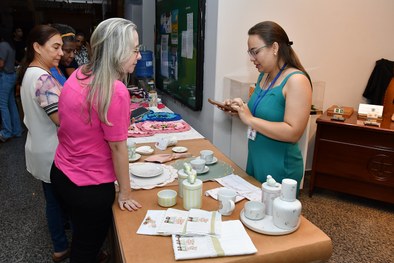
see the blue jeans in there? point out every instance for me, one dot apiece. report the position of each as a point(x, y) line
point(10, 122)
point(56, 219)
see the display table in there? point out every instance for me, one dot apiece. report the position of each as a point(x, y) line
point(353, 158)
point(307, 244)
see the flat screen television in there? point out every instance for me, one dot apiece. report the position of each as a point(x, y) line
point(179, 50)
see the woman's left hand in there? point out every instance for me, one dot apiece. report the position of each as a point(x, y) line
point(128, 203)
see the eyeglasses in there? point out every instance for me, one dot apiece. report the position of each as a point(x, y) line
point(137, 49)
point(254, 51)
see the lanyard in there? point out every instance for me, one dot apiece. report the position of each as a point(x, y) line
point(263, 93)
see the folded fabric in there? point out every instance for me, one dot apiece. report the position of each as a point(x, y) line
point(174, 222)
point(243, 187)
point(149, 128)
point(161, 116)
point(202, 222)
point(166, 157)
point(234, 240)
point(163, 126)
point(214, 194)
point(151, 222)
point(134, 131)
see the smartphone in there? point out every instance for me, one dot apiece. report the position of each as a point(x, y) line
point(221, 105)
point(139, 113)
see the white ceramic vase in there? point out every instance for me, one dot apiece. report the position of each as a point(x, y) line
point(286, 208)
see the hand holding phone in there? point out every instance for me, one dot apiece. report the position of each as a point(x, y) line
point(221, 105)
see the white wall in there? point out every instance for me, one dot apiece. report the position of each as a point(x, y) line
point(337, 41)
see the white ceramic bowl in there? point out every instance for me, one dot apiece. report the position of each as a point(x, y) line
point(254, 210)
point(166, 198)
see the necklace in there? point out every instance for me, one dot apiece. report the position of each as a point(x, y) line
point(262, 93)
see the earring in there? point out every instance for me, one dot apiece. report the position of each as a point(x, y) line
point(275, 54)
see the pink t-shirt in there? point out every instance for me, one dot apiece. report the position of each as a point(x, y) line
point(83, 153)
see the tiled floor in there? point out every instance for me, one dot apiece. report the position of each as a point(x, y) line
point(361, 230)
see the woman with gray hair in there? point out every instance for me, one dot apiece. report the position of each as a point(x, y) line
point(94, 112)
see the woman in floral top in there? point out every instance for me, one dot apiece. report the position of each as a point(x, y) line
point(40, 93)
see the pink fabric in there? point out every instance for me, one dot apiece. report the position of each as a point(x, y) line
point(149, 128)
point(83, 153)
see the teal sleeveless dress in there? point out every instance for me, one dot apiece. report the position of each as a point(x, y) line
point(265, 155)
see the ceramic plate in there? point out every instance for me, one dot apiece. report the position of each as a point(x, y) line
point(265, 226)
point(135, 157)
point(179, 149)
point(146, 170)
point(144, 150)
point(214, 160)
point(206, 169)
point(169, 175)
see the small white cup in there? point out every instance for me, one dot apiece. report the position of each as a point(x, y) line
point(254, 210)
point(226, 198)
point(198, 164)
point(207, 155)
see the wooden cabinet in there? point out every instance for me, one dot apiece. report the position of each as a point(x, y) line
point(355, 159)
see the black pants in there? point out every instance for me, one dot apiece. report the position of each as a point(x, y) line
point(90, 211)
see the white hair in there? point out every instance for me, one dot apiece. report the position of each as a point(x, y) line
point(112, 44)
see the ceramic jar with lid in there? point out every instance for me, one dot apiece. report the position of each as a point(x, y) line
point(270, 191)
point(286, 208)
point(181, 177)
point(192, 194)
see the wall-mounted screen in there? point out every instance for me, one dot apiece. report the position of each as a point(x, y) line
point(179, 50)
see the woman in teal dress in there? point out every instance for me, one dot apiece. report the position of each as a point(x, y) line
point(278, 110)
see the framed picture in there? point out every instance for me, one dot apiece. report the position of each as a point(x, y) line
point(179, 50)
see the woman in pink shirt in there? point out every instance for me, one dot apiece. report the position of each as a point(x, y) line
point(94, 113)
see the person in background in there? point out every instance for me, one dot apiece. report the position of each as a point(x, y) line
point(40, 94)
point(83, 49)
point(94, 112)
point(9, 115)
point(278, 110)
point(69, 47)
point(20, 45)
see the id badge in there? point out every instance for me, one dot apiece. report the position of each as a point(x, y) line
point(251, 133)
